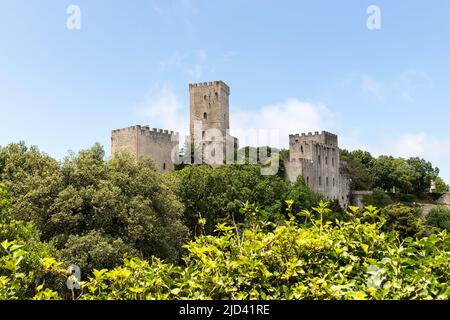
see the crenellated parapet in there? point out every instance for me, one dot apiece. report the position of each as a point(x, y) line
point(139, 140)
point(208, 85)
point(147, 131)
point(324, 138)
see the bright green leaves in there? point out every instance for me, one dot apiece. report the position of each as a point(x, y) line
point(350, 260)
point(50, 264)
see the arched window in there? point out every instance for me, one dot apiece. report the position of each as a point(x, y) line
point(301, 148)
point(332, 161)
point(204, 97)
point(320, 181)
point(327, 182)
point(213, 153)
point(205, 115)
point(319, 158)
point(217, 95)
point(326, 160)
point(203, 134)
point(334, 182)
point(307, 180)
point(164, 166)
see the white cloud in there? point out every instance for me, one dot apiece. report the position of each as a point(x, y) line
point(403, 145)
point(370, 85)
point(229, 56)
point(418, 144)
point(399, 86)
point(194, 64)
point(165, 111)
point(288, 117)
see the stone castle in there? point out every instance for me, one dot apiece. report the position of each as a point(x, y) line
point(315, 156)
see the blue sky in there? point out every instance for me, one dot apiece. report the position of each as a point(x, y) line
point(293, 65)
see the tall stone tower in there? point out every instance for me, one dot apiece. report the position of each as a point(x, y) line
point(209, 105)
point(210, 121)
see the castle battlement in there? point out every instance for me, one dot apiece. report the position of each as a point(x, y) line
point(147, 131)
point(315, 134)
point(210, 84)
point(324, 137)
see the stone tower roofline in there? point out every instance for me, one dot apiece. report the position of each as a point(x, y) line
point(324, 137)
point(146, 130)
point(210, 84)
point(315, 134)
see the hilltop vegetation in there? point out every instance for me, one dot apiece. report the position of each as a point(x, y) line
point(411, 176)
point(203, 233)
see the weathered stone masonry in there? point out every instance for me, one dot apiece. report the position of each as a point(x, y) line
point(316, 157)
point(141, 140)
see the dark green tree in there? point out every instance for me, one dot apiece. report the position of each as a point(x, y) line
point(121, 200)
point(424, 174)
point(439, 218)
point(378, 199)
point(404, 220)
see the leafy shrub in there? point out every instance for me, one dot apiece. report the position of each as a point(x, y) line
point(402, 219)
point(408, 198)
point(219, 193)
point(316, 260)
point(20, 253)
point(439, 218)
point(378, 199)
point(125, 201)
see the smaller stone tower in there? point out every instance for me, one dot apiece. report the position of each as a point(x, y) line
point(316, 157)
point(161, 145)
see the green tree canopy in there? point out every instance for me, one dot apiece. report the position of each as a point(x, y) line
point(117, 202)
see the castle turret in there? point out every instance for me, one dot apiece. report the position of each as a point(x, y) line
point(209, 105)
point(210, 121)
point(161, 145)
point(316, 157)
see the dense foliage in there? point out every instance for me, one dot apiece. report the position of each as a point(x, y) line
point(378, 198)
point(109, 207)
point(316, 260)
point(439, 218)
point(199, 232)
point(408, 176)
point(217, 194)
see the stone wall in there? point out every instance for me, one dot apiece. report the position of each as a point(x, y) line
point(161, 145)
point(445, 199)
point(358, 196)
point(124, 140)
point(209, 106)
point(316, 157)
